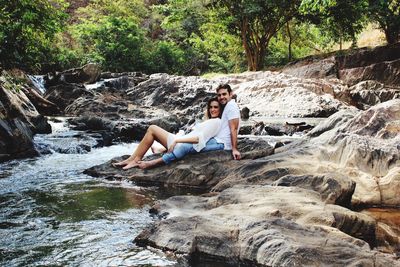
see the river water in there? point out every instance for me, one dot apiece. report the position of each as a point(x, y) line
point(53, 215)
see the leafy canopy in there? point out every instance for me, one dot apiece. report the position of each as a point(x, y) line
point(27, 29)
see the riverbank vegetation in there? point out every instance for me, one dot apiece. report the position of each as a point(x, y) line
point(182, 36)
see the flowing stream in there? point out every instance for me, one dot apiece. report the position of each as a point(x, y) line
point(53, 215)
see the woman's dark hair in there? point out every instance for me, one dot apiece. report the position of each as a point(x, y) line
point(208, 115)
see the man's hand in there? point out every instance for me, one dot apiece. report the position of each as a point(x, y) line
point(236, 154)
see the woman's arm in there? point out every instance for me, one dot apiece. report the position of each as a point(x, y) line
point(189, 139)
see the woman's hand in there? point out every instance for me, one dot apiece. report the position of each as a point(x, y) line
point(171, 148)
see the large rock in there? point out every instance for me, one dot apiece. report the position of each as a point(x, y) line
point(185, 96)
point(273, 94)
point(200, 171)
point(312, 67)
point(381, 64)
point(19, 120)
point(88, 73)
point(372, 74)
point(366, 94)
point(126, 130)
point(65, 94)
point(264, 226)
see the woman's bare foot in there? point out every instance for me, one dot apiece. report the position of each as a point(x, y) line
point(130, 164)
point(121, 163)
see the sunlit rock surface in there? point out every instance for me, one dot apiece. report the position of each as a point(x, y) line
point(273, 94)
point(264, 225)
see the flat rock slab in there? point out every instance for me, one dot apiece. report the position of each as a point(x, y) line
point(197, 171)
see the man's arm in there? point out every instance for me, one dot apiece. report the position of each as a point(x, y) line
point(233, 126)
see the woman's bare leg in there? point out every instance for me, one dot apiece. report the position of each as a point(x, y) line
point(153, 133)
point(158, 148)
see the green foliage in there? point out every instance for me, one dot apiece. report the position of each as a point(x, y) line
point(307, 39)
point(395, 6)
point(386, 13)
point(134, 10)
point(165, 57)
point(27, 28)
point(182, 18)
point(182, 36)
point(341, 20)
point(221, 51)
point(256, 22)
point(117, 44)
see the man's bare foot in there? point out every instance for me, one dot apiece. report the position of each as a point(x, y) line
point(145, 164)
point(149, 164)
point(130, 164)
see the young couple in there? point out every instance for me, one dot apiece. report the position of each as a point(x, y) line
point(219, 132)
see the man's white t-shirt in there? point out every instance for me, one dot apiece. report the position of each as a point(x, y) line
point(231, 112)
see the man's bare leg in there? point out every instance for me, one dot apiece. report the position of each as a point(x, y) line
point(153, 133)
point(151, 163)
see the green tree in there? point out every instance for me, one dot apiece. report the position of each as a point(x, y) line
point(114, 42)
point(341, 20)
point(164, 56)
point(256, 22)
point(27, 29)
point(296, 40)
point(385, 13)
point(221, 51)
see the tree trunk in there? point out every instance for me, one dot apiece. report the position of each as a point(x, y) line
point(392, 36)
point(290, 42)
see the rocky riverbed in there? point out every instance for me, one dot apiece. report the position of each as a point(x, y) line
point(297, 203)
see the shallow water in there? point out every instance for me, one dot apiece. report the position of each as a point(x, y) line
point(52, 214)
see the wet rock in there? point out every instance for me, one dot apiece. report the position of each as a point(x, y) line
point(85, 74)
point(123, 130)
point(245, 113)
point(133, 77)
point(64, 94)
point(19, 121)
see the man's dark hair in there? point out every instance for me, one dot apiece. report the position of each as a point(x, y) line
point(224, 86)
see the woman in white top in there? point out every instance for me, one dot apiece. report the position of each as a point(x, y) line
point(199, 139)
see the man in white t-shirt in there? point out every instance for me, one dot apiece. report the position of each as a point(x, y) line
point(230, 120)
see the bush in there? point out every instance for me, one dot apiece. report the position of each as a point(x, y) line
point(27, 29)
point(165, 57)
